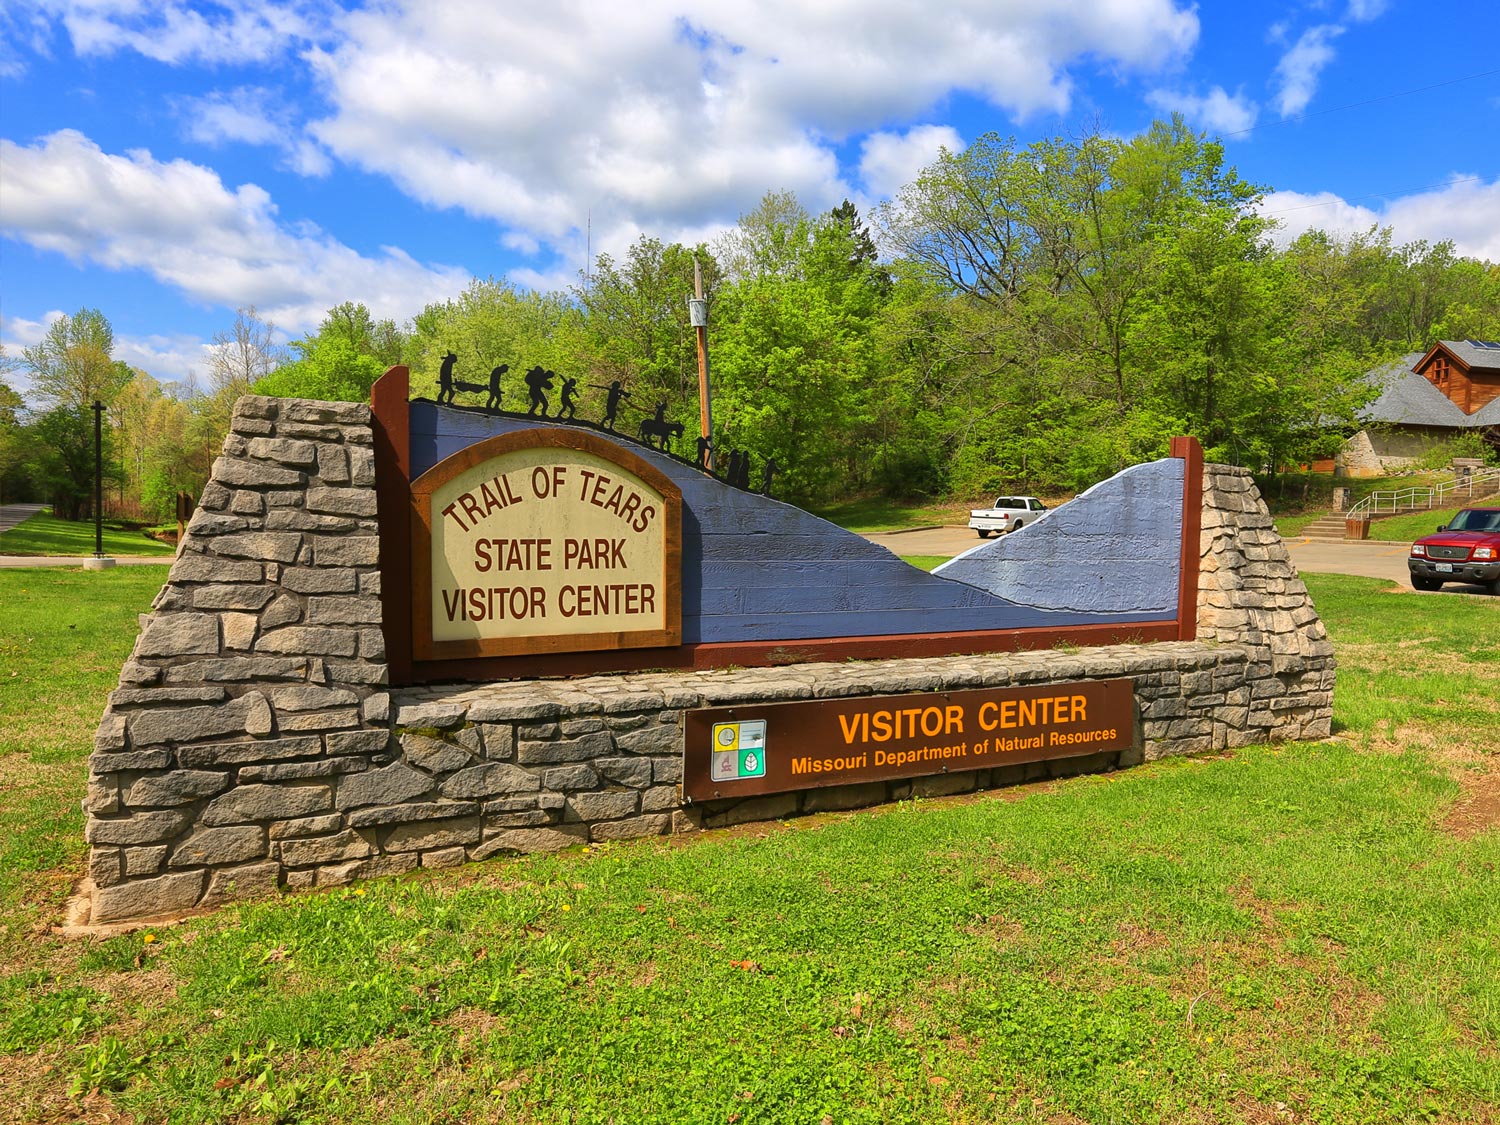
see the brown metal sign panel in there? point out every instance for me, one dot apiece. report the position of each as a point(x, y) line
point(748, 750)
point(544, 541)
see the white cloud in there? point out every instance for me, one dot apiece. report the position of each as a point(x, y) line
point(246, 114)
point(178, 222)
point(1217, 111)
point(1362, 11)
point(1297, 72)
point(889, 161)
point(1466, 210)
point(254, 115)
point(213, 31)
point(167, 359)
point(17, 334)
point(536, 116)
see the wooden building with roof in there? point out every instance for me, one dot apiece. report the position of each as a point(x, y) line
point(1426, 398)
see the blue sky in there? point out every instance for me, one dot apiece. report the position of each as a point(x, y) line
point(168, 163)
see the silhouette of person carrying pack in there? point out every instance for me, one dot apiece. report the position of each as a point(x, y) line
point(538, 379)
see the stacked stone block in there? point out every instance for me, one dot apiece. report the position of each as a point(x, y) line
point(258, 680)
point(600, 758)
point(1250, 595)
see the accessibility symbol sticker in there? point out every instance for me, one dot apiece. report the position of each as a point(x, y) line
point(739, 750)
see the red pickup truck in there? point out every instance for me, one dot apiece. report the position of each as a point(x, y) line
point(1466, 550)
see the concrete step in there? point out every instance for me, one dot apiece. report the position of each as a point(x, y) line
point(1328, 527)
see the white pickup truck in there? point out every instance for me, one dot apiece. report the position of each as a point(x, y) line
point(1007, 514)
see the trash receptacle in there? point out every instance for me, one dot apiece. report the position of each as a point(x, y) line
point(1357, 528)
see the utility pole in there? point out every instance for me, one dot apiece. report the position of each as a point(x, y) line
point(698, 316)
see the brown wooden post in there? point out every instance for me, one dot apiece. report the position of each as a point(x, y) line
point(390, 405)
point(705, 401)
point(1191, 453)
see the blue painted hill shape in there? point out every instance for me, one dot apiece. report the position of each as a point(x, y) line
point(1113, 549)
point(757, 569)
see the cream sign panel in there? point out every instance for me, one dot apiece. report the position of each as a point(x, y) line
point(548, 548)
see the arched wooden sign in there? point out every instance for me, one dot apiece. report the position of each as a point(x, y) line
point(543, 541)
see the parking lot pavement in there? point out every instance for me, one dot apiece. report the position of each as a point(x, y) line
point(1367, 558)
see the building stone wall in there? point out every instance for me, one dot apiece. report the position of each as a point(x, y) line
point(253, 743)
point(1377, 453)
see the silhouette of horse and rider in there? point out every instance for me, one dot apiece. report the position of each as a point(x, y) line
point(657, 432)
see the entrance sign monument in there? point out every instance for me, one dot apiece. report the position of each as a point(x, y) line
point(423, 633)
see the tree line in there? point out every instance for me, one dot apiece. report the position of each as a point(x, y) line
point(1025, 318)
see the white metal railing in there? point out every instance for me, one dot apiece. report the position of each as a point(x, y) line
point(1390, 501)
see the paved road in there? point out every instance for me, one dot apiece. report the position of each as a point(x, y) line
point(12, 561)
point(1369, 559)
point(12, 514)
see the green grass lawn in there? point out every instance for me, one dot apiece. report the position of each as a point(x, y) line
point(1301, 933)
point(925, 562)
point(45, 534)
point(878, 513)
point(1411, 526)
point(1289, 527)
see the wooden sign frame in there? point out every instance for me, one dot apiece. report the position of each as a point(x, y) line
point(425, 647)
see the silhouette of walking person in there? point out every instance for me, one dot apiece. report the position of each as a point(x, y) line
point(766, 475)
point(705, 454)
point(732, 473)
point(566, 401)
point(612, 403)
point(493, 402)
point(445, 378)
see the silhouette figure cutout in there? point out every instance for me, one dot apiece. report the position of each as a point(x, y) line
point(766, 475)
point(705, 454)
point(657, 432)
point(538, 380)
point(612, 403)
point(566, 401)
point(445, 378)
point(493, 403)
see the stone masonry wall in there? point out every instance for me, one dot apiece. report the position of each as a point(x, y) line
point(1249, 595)
point(253, 744)
point(258, 680)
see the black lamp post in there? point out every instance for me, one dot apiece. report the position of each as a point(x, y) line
point(98, 479)
point(98, 562)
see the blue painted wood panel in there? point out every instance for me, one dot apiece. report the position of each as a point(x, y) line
point(1116, 548)
point(756, 569)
